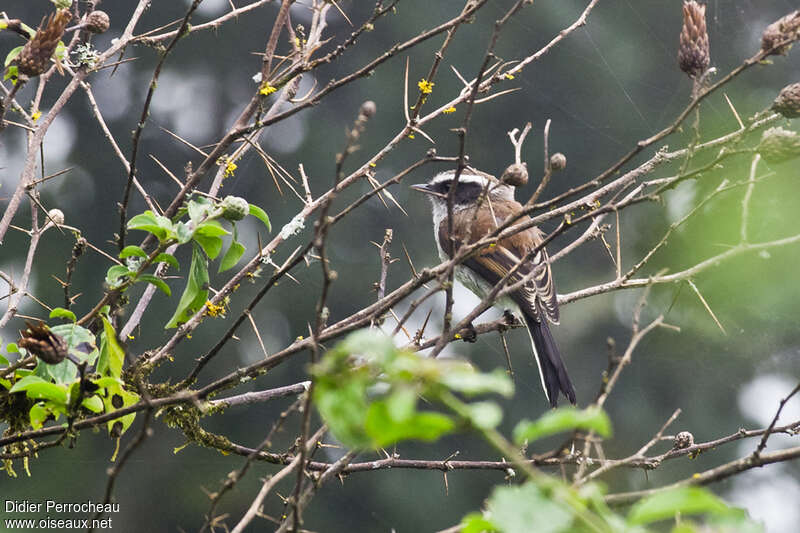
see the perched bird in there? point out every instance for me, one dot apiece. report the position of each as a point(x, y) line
point(481, 204)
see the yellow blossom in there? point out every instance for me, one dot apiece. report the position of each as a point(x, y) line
point(509, 76)
point(425, 86)
point(267, 89)
point(230, 166)
point(35, 115)
point(214, 310)
point(373, 165)
point(410, 135)
point(450, 109)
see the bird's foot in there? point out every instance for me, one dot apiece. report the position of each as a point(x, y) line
point(468, 334)
point(509, 317)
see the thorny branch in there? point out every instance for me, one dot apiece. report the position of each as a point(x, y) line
point(608, 192)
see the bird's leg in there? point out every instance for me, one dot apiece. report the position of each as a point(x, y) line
point(468, 334)
point(509, 317)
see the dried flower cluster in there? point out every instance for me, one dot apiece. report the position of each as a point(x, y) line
point(787, 102)
point(785, 30)
point(778, 145)
point(97, 22)
point(43, 343)
point(35, 55)
point(694, 56)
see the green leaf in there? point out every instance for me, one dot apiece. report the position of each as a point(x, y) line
point(38, 415)
point(112, 356)
point(106, 382)
point(666, 504)
point(132, 250)
point(73, 394)
point(375, 347)
point(402, 404)
point(196, 292)
point(60, 312)
point(261, 215)
point(476, 523)
point(74, 335)
point(212, 246)
point(25, 382)
point(12, 347)
point(168, 259)
point(384, 429)
point(208, 236)
point(466, 380)
point(12, 55)
point(63, 372)
point(155, 280)
point(232, 256)
point(127, 399)
point(199, 208)
point(12, 73)
point(211, 228)
point(161, 227)
point(114, 273)
point(733, 520)
point(183, 233)
point(113, 392)
point(360, 420)
point(93, 403)
point(485, 415)
point(344, 409)
point(38, 389)
point(3, 360)
point(525, 508)
point(563, 419)
point(60, 51)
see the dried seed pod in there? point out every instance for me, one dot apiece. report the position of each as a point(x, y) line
point(43, 343)
point(368, 109)
point(787, 102)
point(693, 52)
point(515, 175)
point(56, 215)
point(785, 30)
point(778, 145)
point(558, 161)
point(35, 55)
point(97, 21)
point(684, 439)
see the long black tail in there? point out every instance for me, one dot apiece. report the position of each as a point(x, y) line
point(551, 367)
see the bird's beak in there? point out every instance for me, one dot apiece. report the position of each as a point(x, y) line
point(425, 188)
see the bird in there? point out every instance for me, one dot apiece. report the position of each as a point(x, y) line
point(481, 203)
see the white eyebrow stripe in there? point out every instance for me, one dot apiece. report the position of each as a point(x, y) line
point(464, 178)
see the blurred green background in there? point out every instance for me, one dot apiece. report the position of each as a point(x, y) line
point(608, 85)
